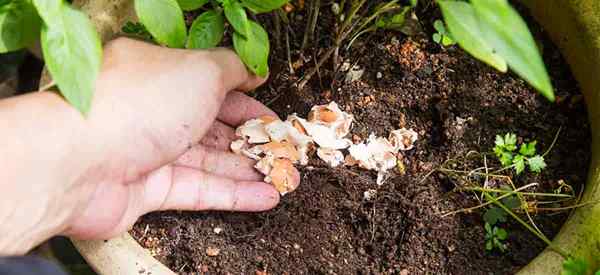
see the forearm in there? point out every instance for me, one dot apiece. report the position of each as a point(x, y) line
point(40, 136)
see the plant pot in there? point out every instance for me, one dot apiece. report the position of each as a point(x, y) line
point(574, 26)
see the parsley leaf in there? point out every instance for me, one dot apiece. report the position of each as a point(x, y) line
point(536, 164)
point(519, 162)
point(528, 149)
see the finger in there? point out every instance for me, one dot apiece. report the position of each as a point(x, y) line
point(238, 108)
point(219, 136)
point(219, 163)
point(195, 190)
point(236, 75)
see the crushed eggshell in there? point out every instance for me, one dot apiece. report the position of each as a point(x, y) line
point(403, 139)
point(332, 157)
point(277, 145)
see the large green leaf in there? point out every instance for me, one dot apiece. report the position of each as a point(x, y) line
point(254, 49)
point(19, 25)
point(164, 20)
point(464, 27)
point(190, 5)
point(72, 51)
point(237, 17)
point(206, 31)
point(261, 6)
point(503, 28)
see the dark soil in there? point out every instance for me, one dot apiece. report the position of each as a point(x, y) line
point(456, 103)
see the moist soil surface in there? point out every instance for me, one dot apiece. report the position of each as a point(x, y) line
point(454, 102)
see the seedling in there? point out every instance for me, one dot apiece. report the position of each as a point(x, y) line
point(494, 238)
point(442, 36)
point(506, 151)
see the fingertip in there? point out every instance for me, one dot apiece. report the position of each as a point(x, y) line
point(263, 197)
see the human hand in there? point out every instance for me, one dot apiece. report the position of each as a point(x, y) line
point(156, 138)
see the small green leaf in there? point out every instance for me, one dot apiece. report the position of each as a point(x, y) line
point(206, 31)
point(506, 159)
point(494, 215)
point(597, 272)
point(262, 6)
point(488, 245)
point(190, 5)
point(72, 52)
point(237, 17)
point(164, 20)
point(510, 141)
point(536, 164)
point(254, 49)
point(414, 3)
point(438, 25)
point(437, 38)
point(528, 149)
point(501, 234)
point(499, 141)
point(507, 32)
point(575, 267)
point(19, 25)
point(488, 228)
point(464, 26)
point(511, 202)
point(447, 41)
point(519, 163)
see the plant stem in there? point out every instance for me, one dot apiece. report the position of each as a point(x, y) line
point(539, 234)
point(522, 193)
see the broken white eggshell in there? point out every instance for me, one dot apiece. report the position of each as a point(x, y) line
point(284, 176)
point(322, 135)
point(332, 157)
point(332, 117)
point(376, 154)
point(403, 139)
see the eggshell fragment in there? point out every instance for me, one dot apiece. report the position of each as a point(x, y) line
point(377, 154)
point(323, 136)
point(284, 176)
point(236, 146)
point(332, 157)
point(403, 139)
point(280, 150)
point(254, 131)
point(332, 117)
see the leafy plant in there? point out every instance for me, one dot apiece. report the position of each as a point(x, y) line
point(72, 47)
point(442, 36)
point(506, 151)
point(494, 238)
point(495, 214)
point(164, 20)
point(493, 32)
point(577, 266)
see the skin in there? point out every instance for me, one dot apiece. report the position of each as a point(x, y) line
point(156, 138)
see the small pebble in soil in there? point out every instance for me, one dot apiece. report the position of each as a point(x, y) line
point(379, 75)
point(212, 251)
point(218, 230)
point(370, 194)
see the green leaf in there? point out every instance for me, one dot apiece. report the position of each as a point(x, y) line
point(574, 267)
point(447, 41)
point(190, 5)
point(254, 49)
point(488, 228)
point(507, 32)
point(597, 272)
point(206, 31)
point(499, 141)
point(519, 162)
point(464, 26)
point(501, 234)
point(511, 202)
point(437, 38)
point(414, 3)
point(506, 159)
point(164, 20)
point(262, 6)
point(510, 141)
point(528, 149)
point(536, 164)
point(488, 245)
point(237, 17)
point(19, 25)
point(393, 22)
point(438, 25)
point(494, 215)
point(72, 51)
